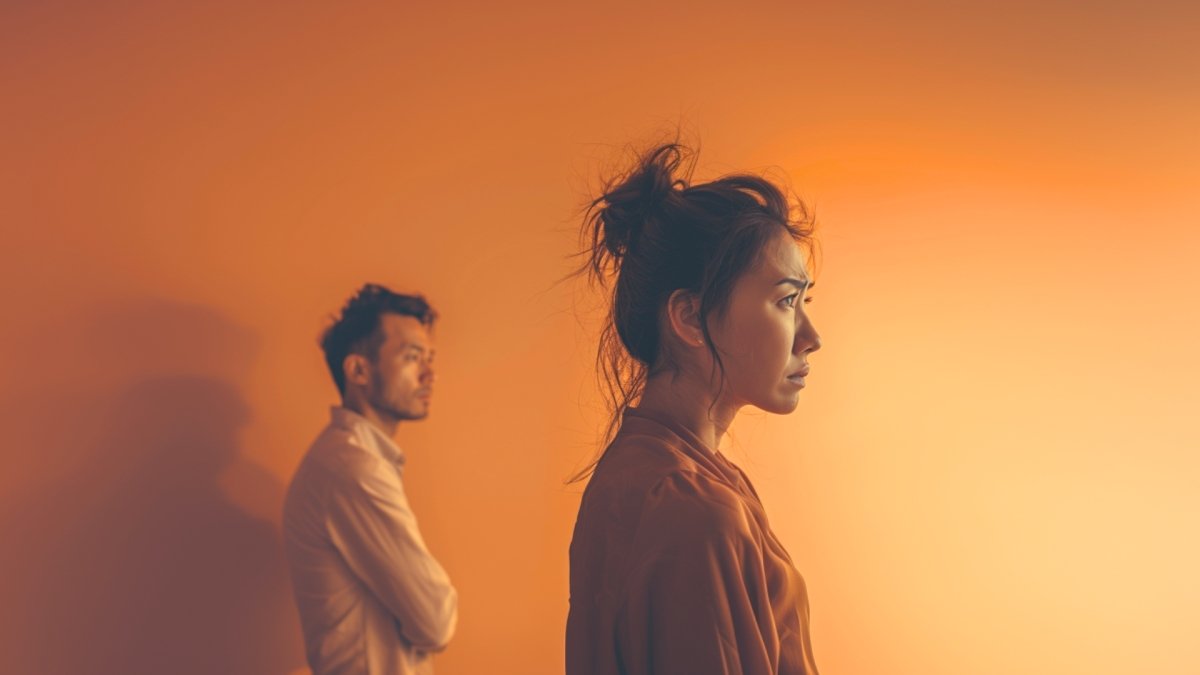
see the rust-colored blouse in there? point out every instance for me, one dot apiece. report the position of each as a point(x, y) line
point(674, 569)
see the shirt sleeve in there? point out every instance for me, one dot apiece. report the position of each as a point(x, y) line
point(372, 526)
point(696, 601)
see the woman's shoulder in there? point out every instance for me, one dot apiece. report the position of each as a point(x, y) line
point(647, 476)
point(636, 462)
point(683, 502)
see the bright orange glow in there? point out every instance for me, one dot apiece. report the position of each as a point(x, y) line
point(993, 469)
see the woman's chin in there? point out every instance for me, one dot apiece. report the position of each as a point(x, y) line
point(781, 404)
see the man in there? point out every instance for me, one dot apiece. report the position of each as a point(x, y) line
point(372, 599)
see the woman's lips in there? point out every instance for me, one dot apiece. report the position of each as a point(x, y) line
point(798, 376)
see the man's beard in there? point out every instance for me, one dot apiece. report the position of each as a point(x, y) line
point(384, 407)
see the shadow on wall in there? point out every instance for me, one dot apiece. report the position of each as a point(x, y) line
point(123, 555)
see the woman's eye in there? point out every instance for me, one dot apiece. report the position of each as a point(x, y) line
point(789, 301)
point(808, 299)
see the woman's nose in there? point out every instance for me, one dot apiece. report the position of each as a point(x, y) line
point(807, 339)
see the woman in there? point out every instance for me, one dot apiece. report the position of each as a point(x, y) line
point(674, 569)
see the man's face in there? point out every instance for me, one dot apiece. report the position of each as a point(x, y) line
point(401, 377)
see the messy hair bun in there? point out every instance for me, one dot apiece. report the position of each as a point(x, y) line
point(630, 201)
point(652, 232)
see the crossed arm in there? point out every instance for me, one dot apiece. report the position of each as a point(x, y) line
point(376, 532)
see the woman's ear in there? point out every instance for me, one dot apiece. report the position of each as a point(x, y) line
point(683, 318)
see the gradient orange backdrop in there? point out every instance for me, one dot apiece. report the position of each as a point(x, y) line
point(994, 468)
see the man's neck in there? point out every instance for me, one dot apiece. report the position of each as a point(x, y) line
point(385, 423)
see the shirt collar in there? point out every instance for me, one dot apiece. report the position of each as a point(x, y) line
point(698, 450)
point(353, 422)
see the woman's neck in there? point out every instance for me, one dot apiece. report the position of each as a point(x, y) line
point(689, 404)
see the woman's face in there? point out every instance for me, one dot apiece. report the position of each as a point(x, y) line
point(765, 337)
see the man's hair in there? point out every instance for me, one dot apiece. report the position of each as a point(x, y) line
point(356, 329)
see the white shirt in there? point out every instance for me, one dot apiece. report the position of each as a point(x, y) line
point(372, 599)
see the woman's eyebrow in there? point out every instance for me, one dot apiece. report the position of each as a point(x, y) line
point(798, 283)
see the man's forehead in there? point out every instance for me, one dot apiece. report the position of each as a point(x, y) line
point(407, 331)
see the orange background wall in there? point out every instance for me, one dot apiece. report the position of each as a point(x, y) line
point(994, 468)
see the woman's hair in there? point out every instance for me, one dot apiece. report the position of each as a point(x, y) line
point(656, 232)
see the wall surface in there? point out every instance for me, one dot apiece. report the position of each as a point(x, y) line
point(994, 466)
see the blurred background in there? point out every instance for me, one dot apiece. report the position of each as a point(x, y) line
point(994, 468)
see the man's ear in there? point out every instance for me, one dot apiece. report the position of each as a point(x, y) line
point(357, 369)
point(683, 318)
